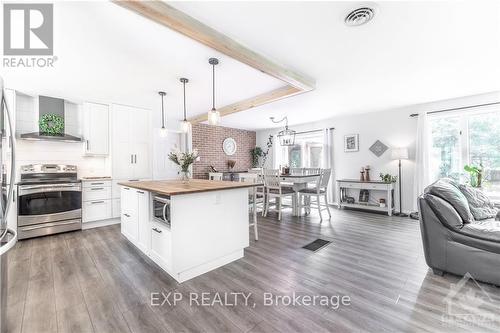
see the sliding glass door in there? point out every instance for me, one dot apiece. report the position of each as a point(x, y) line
point(471, 137)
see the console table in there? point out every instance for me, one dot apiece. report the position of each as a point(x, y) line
point(344, 184)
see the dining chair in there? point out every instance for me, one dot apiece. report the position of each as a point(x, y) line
point(274, 189)
point(312, 171)
point(261, 192)
point(318, 191)
point(253, 198)
point(296, 171)
point(215, 176)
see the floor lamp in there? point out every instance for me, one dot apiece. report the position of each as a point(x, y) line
point(400, 154)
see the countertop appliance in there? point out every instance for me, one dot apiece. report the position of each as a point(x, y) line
point(49, 200)
point(161, 209)
point(8, 236)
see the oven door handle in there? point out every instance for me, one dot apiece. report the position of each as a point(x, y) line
point(43, 188)
point(32, 187)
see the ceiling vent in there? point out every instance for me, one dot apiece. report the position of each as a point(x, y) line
point(359, 16)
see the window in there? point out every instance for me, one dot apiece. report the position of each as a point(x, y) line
point(471, 137)
point(306, 153)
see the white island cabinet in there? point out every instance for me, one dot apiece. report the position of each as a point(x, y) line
point(209, 224)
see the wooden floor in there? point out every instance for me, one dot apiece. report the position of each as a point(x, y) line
point(95, 281)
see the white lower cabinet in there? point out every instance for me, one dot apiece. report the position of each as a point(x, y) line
point(135, 217)
point(161, 245)
point(96, 210)
point(96, 197)
point(115, 208)
point(144, 233)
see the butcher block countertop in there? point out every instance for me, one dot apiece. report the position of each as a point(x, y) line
point(176, 187)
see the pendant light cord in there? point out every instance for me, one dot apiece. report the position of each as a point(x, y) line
point(213, 87)
point(162, 114)
point(184, 85)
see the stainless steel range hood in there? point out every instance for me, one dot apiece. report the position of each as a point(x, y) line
point(50, 105)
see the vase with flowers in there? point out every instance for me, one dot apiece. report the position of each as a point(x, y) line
point(184, 160)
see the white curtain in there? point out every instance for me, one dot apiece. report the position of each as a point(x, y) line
point(328, 160)
point(422, 158)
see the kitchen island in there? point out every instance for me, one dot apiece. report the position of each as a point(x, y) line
point(186, 228)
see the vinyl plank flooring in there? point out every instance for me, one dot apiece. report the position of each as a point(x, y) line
point(40, 308)
point(375, 260)
point(74, 319)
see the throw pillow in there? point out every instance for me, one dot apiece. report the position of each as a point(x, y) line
point(480, 205)
point(448, 191)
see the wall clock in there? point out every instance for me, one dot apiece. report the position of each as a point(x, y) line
point(229, 146)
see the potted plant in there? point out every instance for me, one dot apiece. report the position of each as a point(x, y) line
point(184, 160)
point(475, 174)
point(256, 153)
point(387, 178)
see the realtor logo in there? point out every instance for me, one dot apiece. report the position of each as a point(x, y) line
point(468, 304)
point(28, 29)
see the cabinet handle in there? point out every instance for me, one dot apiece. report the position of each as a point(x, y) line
point(158, 231)
point(87, 142)
point(126, 188)
point(133, 180)
point(131, 159)
point(96, 202)
point(126, 215)
point(96, 183)
point(135, 158)
point(140, 192)
point(97, 189)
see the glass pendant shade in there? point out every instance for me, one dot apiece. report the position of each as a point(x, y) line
point(185, 126)
point(213, 117)
point(163, 132)
point(287, 137)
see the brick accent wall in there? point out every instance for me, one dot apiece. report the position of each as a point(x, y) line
point(208, 140)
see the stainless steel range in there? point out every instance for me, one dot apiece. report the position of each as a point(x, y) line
point(49, 200)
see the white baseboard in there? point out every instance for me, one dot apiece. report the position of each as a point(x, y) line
point(97, 224)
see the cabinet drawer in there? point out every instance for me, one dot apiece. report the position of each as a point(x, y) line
point(351, 185)
point(377, 187)
point(161, 245)
point(96, 210)
point(97, 183)
point(96, 193)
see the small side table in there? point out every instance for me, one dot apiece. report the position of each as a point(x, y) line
point(344, 184)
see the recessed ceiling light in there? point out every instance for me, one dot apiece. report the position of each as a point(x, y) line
point(359, 16)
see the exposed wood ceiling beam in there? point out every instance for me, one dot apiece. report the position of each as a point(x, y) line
point(273, 95)
point(162, 13)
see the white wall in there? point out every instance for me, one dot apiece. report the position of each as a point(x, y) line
point(394, 128)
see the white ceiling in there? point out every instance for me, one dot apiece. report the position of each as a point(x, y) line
point(412, 52)
point(109, 54)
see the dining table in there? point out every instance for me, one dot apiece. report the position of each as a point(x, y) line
point(298, 182)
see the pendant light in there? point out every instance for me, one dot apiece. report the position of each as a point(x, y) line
point(185, 125)
point(213, 115)
point(286, 136)
point(163, 130)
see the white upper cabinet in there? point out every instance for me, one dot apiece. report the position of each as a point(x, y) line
point(131, 142)
point(96, 129)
